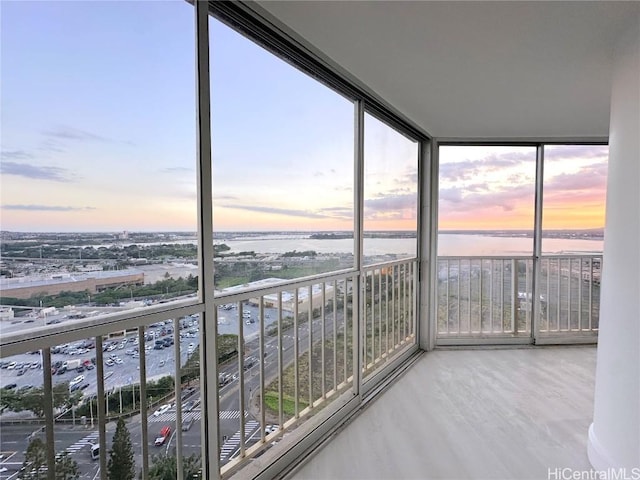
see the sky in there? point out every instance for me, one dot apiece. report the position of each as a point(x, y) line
point(98, 133)
point(493, 187)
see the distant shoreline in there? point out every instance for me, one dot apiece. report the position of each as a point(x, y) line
point(169, 237)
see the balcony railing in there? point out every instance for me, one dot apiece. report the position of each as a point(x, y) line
point(286, 353)
point(484, 298)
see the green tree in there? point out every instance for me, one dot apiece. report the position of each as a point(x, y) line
point(165, 467)
point(121, 465)
point(34, 466)
point(66, 467)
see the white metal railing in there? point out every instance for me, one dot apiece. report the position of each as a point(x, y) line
point(389, 312)
point(296, 353)
point(489, 297)
point(571, 287)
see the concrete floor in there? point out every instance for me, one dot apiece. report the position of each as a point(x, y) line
point(482, 413)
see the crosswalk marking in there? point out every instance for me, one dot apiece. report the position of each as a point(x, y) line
point(82, 443)
point(232, 444)
point(196, 415)
point(231, 414)
point(171, 416)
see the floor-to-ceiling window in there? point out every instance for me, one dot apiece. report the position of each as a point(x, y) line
point(506, 268)
point(573, 192)
point(485, 239)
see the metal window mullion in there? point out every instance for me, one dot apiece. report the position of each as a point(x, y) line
point(357, 320)
point(208, 329)
point(48, 413)
point(100, 407)
point(537, 243)
point(142, 362)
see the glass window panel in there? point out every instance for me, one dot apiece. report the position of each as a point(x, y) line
point(575, 184)
point(390, 193)
point(283, 166)
point(98, 145)
point(486, 200)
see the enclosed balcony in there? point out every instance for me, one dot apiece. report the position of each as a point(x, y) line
point(399, 240)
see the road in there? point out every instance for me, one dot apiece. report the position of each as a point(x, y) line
point(76, 438)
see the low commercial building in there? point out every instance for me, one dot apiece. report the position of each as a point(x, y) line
point(27, 287)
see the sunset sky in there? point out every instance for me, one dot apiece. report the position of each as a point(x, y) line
point(98, 134)
point(493, 187)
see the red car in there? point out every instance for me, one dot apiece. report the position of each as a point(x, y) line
point(165, 432)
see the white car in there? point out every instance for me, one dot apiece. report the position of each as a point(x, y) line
point(161, 410)
point(270, 429)
point(12, 365)
point(75, 381)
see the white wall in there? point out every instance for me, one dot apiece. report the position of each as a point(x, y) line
point(614, 436)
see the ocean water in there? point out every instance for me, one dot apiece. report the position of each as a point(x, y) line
point(448, 245)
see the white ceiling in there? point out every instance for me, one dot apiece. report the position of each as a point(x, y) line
point(473, 69)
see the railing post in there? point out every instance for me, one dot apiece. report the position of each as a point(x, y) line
point(514, 295)
point(48, 412)
point(101, 408)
